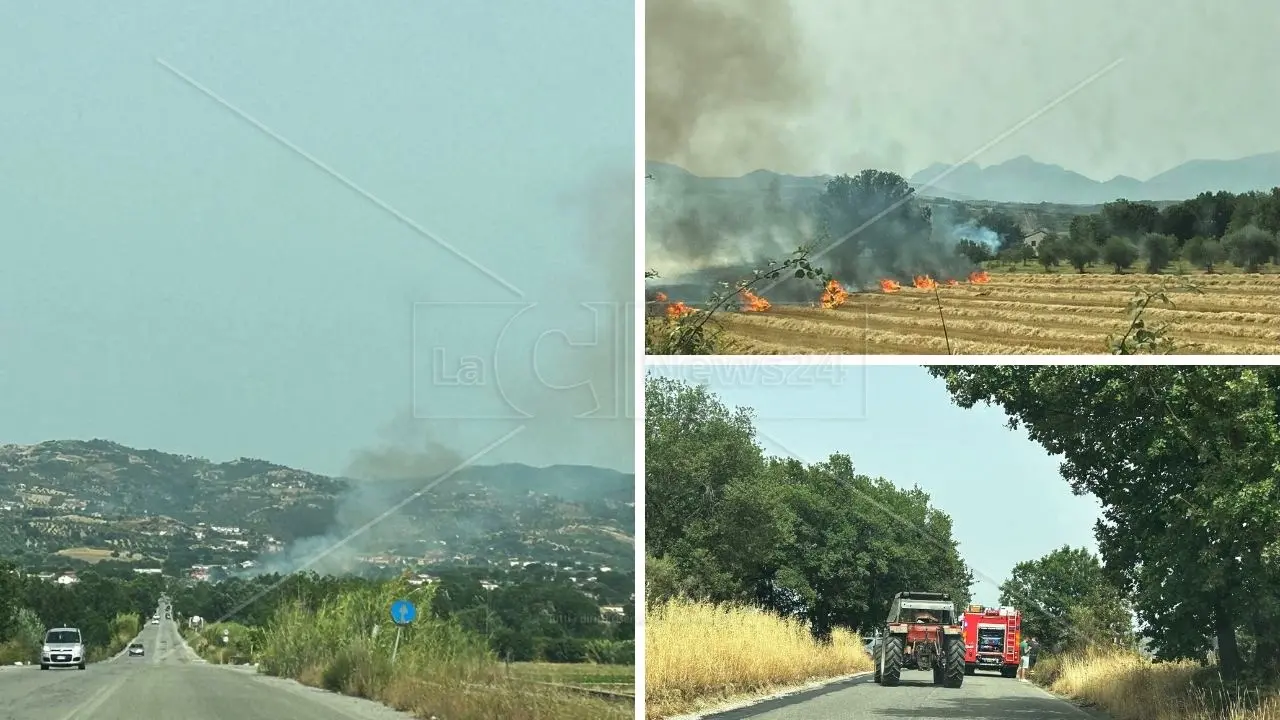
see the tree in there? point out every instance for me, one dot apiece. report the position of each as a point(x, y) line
point(1186, 463)
point(1050, 252)
point(1130, 219)
point(1204, 252)
point(1213, 212)
point(1089, 229)
point(975, 252)
point(1049, 589)
point(1080, 253)
point(877, 215)
point(1005, 226)
point(1181, 220)
point(1120, 252)
point(1250, 248)
point(817, 541)
point(1159, 251)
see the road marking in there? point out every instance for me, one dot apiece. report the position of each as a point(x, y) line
point(95, 701)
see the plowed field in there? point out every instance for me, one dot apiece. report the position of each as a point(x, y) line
point(1042, 314)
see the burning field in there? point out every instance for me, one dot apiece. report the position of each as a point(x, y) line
point(1013, 313)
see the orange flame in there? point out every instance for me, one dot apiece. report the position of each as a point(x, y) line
point(890, 286)
point(953, 282)
point(660, 297)
point(752, 302)
point(924, 282)
point(677, 310)
point(979, 277)
point(834, 295)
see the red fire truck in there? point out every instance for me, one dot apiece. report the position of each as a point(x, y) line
point(991, 639)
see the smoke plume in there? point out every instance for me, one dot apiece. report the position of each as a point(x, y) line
point(723, 80)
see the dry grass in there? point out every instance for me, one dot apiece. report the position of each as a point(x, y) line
point(1019, 313)
point(439, 671)
point(1128, 687)
point(699, 655)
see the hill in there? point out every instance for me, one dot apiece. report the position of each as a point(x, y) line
point(1022, 181)
point(99, 498)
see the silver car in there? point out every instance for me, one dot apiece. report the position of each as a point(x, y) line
point(63, 647)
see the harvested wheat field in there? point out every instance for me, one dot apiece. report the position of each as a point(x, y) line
point(1016, 313)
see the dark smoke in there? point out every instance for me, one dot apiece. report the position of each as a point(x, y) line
point(723, 79)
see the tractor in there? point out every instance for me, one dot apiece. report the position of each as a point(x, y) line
point(921, 633)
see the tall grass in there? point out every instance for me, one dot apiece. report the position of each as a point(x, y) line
point(346, 644)
point(698, 655)
point(1127, 686)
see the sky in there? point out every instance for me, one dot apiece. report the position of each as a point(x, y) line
point(827, 86)
point(292, 232)
point(898, 422)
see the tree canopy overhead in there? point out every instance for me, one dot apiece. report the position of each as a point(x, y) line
point(1184, 460)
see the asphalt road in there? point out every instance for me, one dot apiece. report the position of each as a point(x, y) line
point(982, 697)
point(170, 681)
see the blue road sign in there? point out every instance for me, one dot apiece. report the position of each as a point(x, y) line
point(403, 612)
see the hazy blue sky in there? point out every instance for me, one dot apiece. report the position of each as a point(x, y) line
point(839, 85)
point(176, 278)
point(1002, 490)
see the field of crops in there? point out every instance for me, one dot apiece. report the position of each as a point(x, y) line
point(1016, 313)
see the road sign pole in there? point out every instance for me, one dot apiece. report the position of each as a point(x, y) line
point(396, 648)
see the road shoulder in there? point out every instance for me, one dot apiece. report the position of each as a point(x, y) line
point(755, 704)
point(1088, 711)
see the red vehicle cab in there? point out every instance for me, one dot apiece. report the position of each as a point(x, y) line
point(991, 639)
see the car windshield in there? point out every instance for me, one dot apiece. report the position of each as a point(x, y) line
point(136, 646)
point(62, 637)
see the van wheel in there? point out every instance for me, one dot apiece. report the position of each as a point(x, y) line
point(81, 666)
point(43, 666)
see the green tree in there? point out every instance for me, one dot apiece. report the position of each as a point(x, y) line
point(1121, 252)
point(1181, 220)
point(1204, 252)
point(975, 252)
point(1250, 248)
point(1049, 589)
point(1130, 219)
point(1089, 230)
point(1159, 251)
point(1186, 463)
point(1050, 251)
point(1080, 253)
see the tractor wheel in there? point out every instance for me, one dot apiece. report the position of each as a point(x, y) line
point(937, 673)
point(891, 661)
point(952, 661)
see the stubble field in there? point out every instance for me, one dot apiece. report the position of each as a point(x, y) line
point(1018, 313)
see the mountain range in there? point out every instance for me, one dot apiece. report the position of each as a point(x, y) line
point(86, 494)
point(1024, 180)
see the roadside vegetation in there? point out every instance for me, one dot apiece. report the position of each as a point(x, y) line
point(699, 655)
point(742, 596)
point(337, 634)
point(1191, 500)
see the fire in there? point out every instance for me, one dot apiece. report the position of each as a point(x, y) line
point(979, 277)
point(677, 310)
point(660, 297)
point(752, 302)
point(834, 295)
point(890, 286)
point(924, 282)
point(953, 282)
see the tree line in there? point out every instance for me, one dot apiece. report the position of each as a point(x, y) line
point(727, 523)
point(1186, 464)
point(103, 606)
point(1206, 231)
